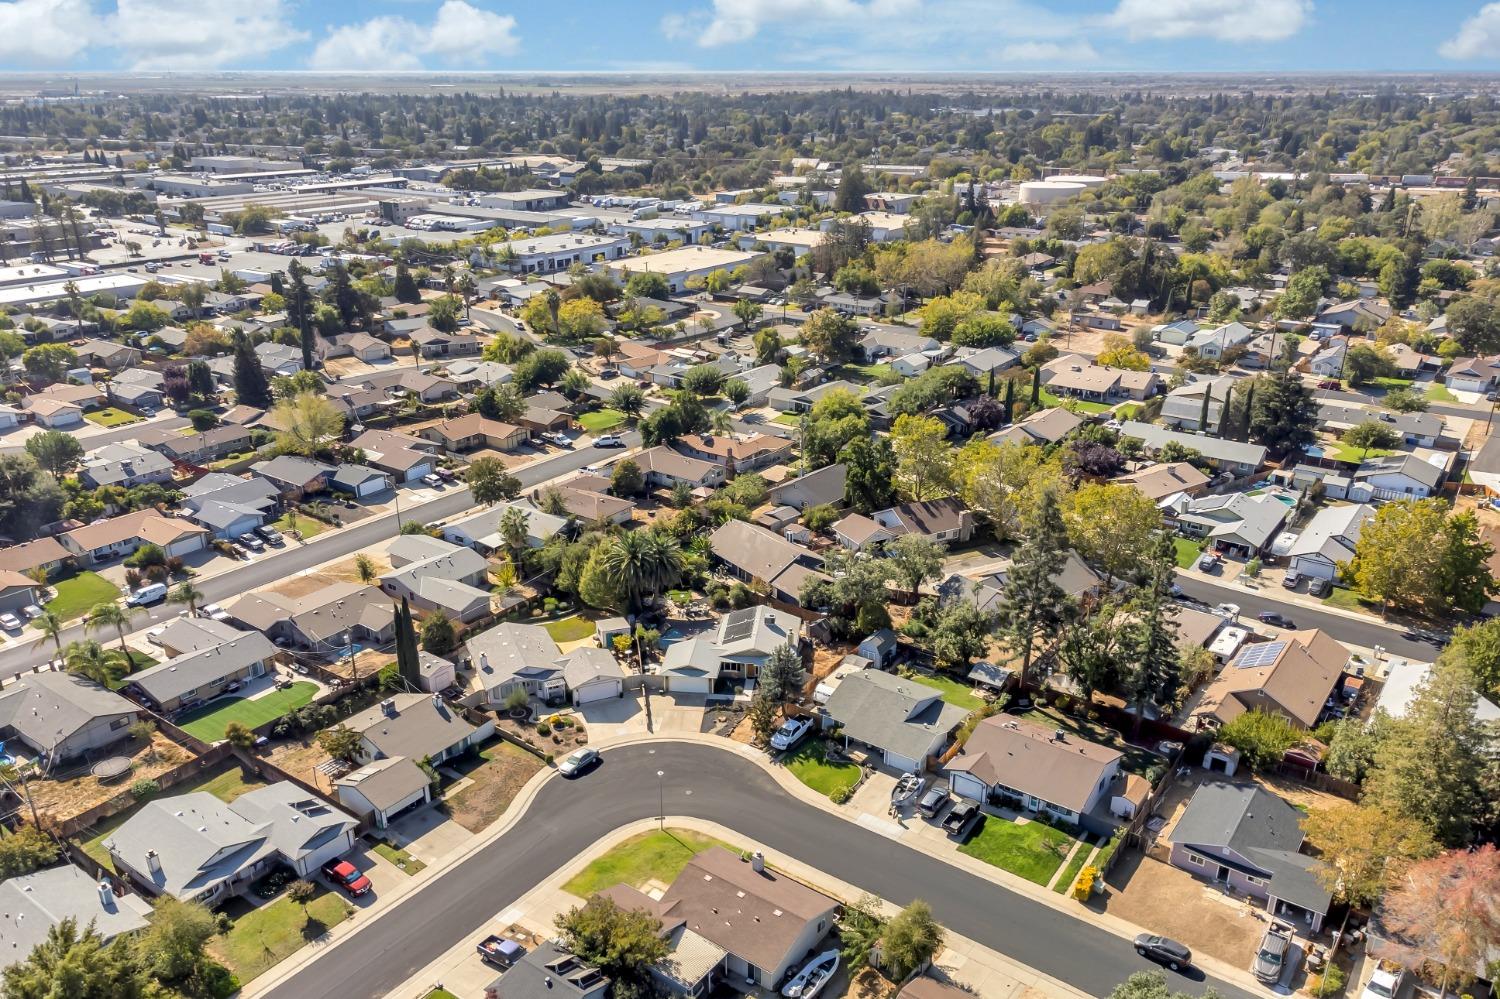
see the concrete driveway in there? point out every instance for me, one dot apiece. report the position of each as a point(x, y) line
point(678, 713)
point(615, 718)
point(428, 834)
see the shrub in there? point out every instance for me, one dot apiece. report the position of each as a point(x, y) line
point(144, 788)
point(842, 795)
point(542, 728)
point(1330, 983)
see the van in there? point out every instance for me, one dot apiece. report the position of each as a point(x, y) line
point(151, 593)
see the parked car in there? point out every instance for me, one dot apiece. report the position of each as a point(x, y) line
point(1330, 383)
point(10, 622)
point(790, 733)
point(1320, 587)
point(432, 479)
point(270, 535)
point(1385, 983)
point(1163, 950)
point(1274, 619)
point(560, 439)
point(347, 877)
point(576, 762)
point(252, 542)
point(213, 611)
point(1271, 955)
point(31, 612)
point(1290, 580)
point(446, 474)
point(1207, 562)
point(961, 819)
point(151, 593)
point(608, 440)
point(933, 802)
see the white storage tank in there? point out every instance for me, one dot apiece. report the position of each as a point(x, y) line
point(1086, 179)
point(1047, 192)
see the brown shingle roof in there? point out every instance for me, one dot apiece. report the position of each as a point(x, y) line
point(1031, 758)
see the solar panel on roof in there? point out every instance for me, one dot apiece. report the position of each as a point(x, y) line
point(1264, 654)
point(739, 629)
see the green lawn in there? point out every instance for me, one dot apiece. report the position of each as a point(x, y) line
point(440, 994)
point(403, 860)
point(208, 723)
point(1386, 382)
point(226, 785)
point(1127, 410)
point(570, 629)
point(1032, 851)
point(1046, 398)
point(659, 855)
point(601, 420)
point(138, 662)
point(1340, 451)
point(809, 766)
point(1070, 873)
point(1348, 599)
point(264, 937)
point(789, 419)
point(1438, 392)
point(309, 527)
point(110, 417)
point(955, 692)
point(1188, 551)
point(868, 372)
point(1084, 406)
point(78, 595)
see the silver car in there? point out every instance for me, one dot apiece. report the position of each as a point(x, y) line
point(576, 762)
point(1271, 956)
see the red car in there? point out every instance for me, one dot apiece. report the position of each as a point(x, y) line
point(346, 876)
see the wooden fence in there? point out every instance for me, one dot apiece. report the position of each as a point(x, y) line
point(125, 800)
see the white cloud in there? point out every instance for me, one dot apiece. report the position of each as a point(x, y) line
point(734, 21)
point(45, 32)
point(1477, 38)
point(461, 32)
point(1226, 20)
point(1049, 52)
point(190, 34)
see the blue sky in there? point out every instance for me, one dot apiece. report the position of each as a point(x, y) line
point(382, 36)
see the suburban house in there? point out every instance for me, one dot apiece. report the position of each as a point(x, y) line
point(472, 375)
point(1292, 676)
point(1472, 374)
point(1415, 429)
point(431, 343)
point(1183, 406)
point(197, 848)
point(200, 448)
point(60, 716)
point(1328, 541)
point(438, 575)
point(728, 919)
point(756, 555)
point(1227, 456)
point(406, 459)
point(1400, 476)
point(481, 531)
point(1212, 343)
point(523, 656)
point(587, 505)
point(44, 554)
point(1079, 377)
point(1235, 522)
point(106, 540)
point(324, 621)
point(427, 388)
point(800, 399)
point(1042, 769)
point(361, 481)
point(1045, 426)
point(946, 521)
point(107, 354)
point(1161, 483)
point(664, 467)
point(904, 722)
point(1358, 315)
point(181, 635)
point(385, 789)
point(734, 454)
point(54, 414)
point(295, 477)
point(190, 679)
point(32, 904)
point(824, 486)
point(473, 431)
point(16, 590)
point(857, 532)
point(228, 505)
point(415, 727)
point(743, 642)
point(546, 972)
point(1247, 838)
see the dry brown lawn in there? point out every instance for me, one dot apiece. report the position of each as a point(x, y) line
point(495, 786)
point(1163, 899)
point(300, 758)
point(870, 984)
point(63, 799)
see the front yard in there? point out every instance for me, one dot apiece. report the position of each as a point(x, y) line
point(1188, 551)
point(109, 416)
point(77, 595)
point(600, 420)
point(809, 764)
point(659, 855)
point(496, 782)
point(308, 527)
point(268, 935)
point(404, 861)
point(955, 692)
point(1030, 850)
point(226, 785)
point(1438, 392)
point(208, 723)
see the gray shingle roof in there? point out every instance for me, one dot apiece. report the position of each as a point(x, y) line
point(892, 713)
point(192, 670)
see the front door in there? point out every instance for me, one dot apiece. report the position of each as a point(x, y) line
point(1222, 876)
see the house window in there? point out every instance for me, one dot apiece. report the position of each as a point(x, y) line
point(1256, 881)
point(1196, 860)
point(119, 723)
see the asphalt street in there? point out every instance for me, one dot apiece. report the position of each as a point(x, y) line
point(281, 563)
point(717, 785)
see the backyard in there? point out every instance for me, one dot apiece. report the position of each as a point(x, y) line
point(955, 692)
point(208, 722)
point(109, 416)
point(226, 785)
point(263, 937)
point(77, 595)
point(1339, 451)
point(659, 855)
point(600, 420)
point(809, 764)
point(1138, 760)
point(570, 629)
point(1031, 850)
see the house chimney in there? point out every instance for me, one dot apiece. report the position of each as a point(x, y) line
point(1060, 735)
point(388, 707)
point(758, 862)
point(106, 895)
point(153, 863)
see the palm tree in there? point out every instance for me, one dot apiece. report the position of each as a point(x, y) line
point(515, 531)
point(112, 615)
point(642, 564)
point(721, 422)
point(89, 659)
point(187, 593)
point(467, 290)
point(51, 627)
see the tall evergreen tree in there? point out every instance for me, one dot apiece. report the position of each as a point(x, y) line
point(406, 286)
point(251, 387)
point(408, 661)
point(299, 309)
point(1284, 415)
point(1035, 605)
point(1153, 636)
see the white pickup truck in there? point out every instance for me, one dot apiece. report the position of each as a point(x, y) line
point(1385, 983)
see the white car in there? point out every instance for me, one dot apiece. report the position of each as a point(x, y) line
point(790, 733)
point(608, 440)
point(1229, 612)
point(10, 622)
point(1385, 983)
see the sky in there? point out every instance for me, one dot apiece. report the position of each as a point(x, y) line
point(382, 36)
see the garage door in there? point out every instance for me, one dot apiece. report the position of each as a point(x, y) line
point(902, 763)
point(597, 691)
point(967, 786)
point(689, 684)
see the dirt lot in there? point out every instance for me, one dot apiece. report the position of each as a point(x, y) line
point(1166, 900)
point(64, 799)
point(300, 758)
point(496, 783)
